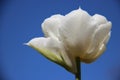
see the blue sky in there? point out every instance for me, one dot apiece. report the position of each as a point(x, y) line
point(21, 21)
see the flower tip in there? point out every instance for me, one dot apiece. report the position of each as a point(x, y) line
point(79, 8)
point(26, 44)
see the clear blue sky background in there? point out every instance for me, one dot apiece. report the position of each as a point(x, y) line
point(20, 21)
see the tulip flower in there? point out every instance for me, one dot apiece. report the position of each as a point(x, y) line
point(75, 37)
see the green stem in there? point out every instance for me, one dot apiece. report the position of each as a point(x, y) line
point(78, 74)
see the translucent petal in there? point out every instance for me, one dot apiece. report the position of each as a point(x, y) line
point(107, 38)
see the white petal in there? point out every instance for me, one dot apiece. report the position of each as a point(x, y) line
point(88, 58)
point(51, 25)
point(98, 36)
point(53, 50)
point(73, 32)
point(102, 31)
point(47, 47)
point(99, 19)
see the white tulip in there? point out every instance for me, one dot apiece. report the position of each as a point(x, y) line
point(75, 35)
